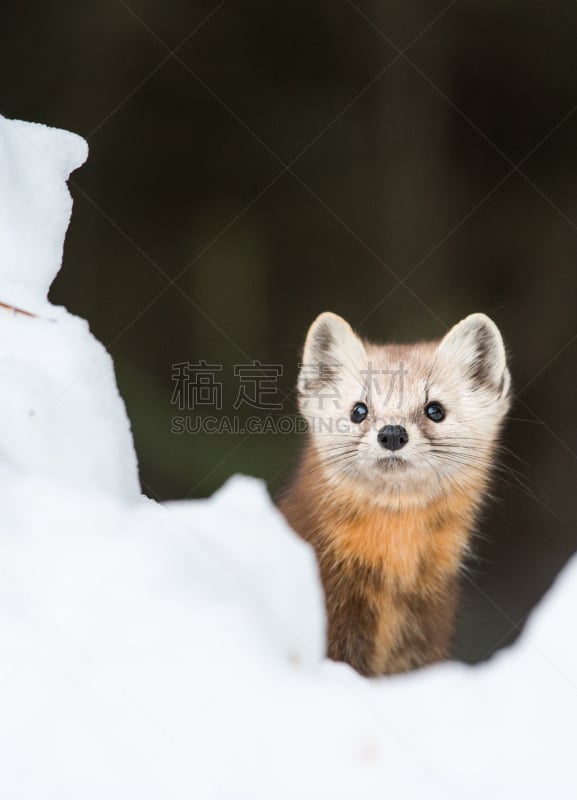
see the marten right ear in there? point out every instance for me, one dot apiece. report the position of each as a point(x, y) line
point(331, 346)
point(475, 344)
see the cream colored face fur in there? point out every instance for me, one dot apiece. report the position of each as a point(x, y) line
point(466, 372)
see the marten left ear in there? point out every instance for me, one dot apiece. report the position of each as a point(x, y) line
point(331, 349)
point(477, 345)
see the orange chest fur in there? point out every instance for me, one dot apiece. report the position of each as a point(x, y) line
point(415, 548)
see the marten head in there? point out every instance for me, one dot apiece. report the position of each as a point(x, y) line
point(406, 422)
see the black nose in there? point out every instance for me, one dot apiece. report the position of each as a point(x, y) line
point(393, 437)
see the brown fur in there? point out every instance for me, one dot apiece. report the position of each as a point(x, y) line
point(390, 575)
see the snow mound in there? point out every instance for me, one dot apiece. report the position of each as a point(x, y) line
point(128, 627)
point(35, 162)
point(152, 652)
point(60, 410)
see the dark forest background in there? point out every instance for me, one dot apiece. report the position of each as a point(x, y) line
point(254, 163)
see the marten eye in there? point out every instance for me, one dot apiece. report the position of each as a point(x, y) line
point(435, 412)
point(359, 413)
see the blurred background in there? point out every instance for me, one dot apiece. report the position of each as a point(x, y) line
point(251, 164)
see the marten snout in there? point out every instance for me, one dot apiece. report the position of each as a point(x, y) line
point(393, 437)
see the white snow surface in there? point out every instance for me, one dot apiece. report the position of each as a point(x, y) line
point(159, 652)
point(35, 162)
point(60, 411)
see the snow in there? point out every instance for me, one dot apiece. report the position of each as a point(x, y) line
point(35, 162)
point(176, 651)
point(60, 411)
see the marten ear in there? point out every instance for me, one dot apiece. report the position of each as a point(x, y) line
point(476, 344)
point(331, 347)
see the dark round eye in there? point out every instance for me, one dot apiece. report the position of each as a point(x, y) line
point(359, 413)
point(435, 412)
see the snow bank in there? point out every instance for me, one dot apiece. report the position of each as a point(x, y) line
point(35, 162)
point(156, 652)
point(60, 411)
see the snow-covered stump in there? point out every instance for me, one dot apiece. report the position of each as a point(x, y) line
point(156, 652)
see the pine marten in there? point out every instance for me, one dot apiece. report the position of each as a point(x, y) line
point(401, 442)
